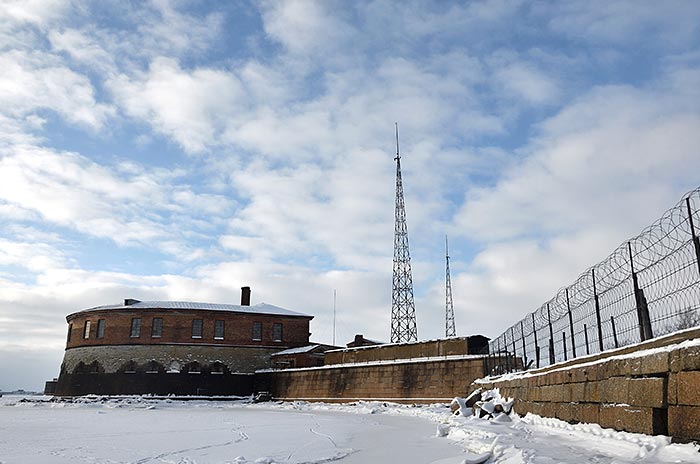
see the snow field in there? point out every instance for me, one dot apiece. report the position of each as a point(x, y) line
point(141, 430)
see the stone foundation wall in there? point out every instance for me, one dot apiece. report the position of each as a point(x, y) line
point(113, 357)
point(654, 390)
point(415, 381)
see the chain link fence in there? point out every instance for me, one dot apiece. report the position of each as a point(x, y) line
point(649, 286)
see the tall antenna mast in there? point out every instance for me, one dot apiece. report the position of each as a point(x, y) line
point(449, 310)
point(403, 309)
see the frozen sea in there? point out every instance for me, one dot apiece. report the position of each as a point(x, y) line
point(142, 430)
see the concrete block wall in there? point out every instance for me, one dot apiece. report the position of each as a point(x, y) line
point(405, 381)
point(655, 390)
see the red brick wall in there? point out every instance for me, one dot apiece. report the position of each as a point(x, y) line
point(177, 328)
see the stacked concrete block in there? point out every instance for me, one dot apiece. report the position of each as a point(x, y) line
point(684, 393)
point(406, 381)
point(656, 391)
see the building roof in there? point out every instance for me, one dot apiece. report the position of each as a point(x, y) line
point(260, 308)
point(314, 347)
point(299, 350)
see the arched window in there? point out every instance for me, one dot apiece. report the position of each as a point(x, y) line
point(194, 368)
point(152, 367)
point(94, 367)
point(174, 367)
point(217, 368)
point(130, 367)
point(80, 368)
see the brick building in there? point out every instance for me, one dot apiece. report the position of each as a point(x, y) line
point(175, 347)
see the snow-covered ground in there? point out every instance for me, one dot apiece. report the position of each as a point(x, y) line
point(138, 430)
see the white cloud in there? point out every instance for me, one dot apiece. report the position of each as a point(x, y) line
point(191, 107)
point(129, 208)
point(30, 255)
point(305, 26)
point(32, 81)
point(617, 156)
point(626, 21)
point(32, 11)
point(83, 48)
point(527, 82)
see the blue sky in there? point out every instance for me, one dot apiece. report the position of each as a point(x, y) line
point(181, 150)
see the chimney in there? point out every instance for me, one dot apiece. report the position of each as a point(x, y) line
point(245, 296)
point(130, 301)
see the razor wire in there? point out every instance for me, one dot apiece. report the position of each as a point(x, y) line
point(647, 287)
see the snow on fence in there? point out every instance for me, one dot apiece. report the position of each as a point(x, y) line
point(649, 286)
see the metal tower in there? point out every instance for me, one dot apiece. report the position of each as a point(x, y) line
point(449, 310)
point(403, 309)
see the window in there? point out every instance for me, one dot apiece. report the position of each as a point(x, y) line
point(135, 327)
point(257, 331)
point(130, 367)
point(157, 327)
point(174, 367)
point(70, 331)
point(152, 367)
point(277, 332)
point(100, 328)
point(193, 368)
point(218, 330)
point(196, 328)
point(217, 368)
point(86, 330)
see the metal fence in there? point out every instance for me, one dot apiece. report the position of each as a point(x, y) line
point(649, 286)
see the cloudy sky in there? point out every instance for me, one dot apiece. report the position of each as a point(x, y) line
point(181, 150)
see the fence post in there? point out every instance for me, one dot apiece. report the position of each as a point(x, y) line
point(696, 240)
point(585, 334)
point(571, 325)
point(522, 333)
point(551, 337)
point(537, 348)
point(499, 360)
point(597, 312)
point(645, 332)
point(612, 321)
point(505, 346)
point(563, 338)
point(512, 339)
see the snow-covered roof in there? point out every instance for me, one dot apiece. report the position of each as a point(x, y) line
point(299, 350)
point(260, 308)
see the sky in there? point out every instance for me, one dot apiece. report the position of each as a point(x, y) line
point(179, 150)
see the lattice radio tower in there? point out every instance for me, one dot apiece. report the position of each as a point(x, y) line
point(449, 310)
point(403, 309)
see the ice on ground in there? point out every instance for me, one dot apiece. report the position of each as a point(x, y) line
point(143, 430)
